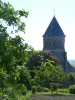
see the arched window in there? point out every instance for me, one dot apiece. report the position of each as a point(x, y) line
point(60, 44)
point(49, 44)
point(54, 44)
point(45, 44)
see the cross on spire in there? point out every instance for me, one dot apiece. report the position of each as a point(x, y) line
point(54, 11)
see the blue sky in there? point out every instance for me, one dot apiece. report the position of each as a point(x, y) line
point(40, 15)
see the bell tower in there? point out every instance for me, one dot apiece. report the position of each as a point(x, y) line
point(54, 42)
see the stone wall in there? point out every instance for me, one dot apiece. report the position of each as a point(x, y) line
point(53, 43)
point(61, 55)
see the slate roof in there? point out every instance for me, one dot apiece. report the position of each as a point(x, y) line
point(54, 29)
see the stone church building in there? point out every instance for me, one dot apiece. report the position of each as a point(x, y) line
point(54, 42)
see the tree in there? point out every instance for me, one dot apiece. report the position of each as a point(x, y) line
point(13, 51)
point(12, 17)
point(24, 76)
point(49, 74)
point(36, 57)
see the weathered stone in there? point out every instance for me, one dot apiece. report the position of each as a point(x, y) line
point(54, 42)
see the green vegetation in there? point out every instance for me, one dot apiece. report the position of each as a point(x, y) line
point(22, 68)
point(34, 89)
point(72, 89)
point(45, 89)
point(63, 91)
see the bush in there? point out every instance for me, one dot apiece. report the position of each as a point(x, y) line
point(39, 88)
point(34, 89)
point(63, 90)
point(72, 89)
point(11, 93)
point(22, 89)
point(53, 87)
point(46, 90)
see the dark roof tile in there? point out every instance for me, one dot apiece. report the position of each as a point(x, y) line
point(54, 29)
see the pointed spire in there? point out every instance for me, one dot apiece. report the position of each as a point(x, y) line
point(54, 29)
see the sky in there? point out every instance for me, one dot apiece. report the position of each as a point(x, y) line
point(40, 14)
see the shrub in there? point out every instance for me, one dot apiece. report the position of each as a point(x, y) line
point(11, 93)
point(72, 89)
point(34, 89)
point(53, 87)
point(22, 89)
point(46, 90)
point(63, 90)
point(39, 88)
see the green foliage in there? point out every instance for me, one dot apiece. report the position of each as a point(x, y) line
point(24, 76)
point(12, 17)
point(39, 88)
point(28, 96)
point(72, 89)
point(22, 89)
point(36, 58)
point(10, 93)
point(53, 87)
point(3, 79)
point(13, 51)
point(48, 74)
point(71, 77)
point(45, 90)
point(63, 90)
point(20, 65)
point(44, 69)
point(34, 89)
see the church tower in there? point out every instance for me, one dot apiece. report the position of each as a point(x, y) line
point(54, 42)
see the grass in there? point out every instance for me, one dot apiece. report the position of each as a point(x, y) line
point(59, 91)
point(62, 94)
